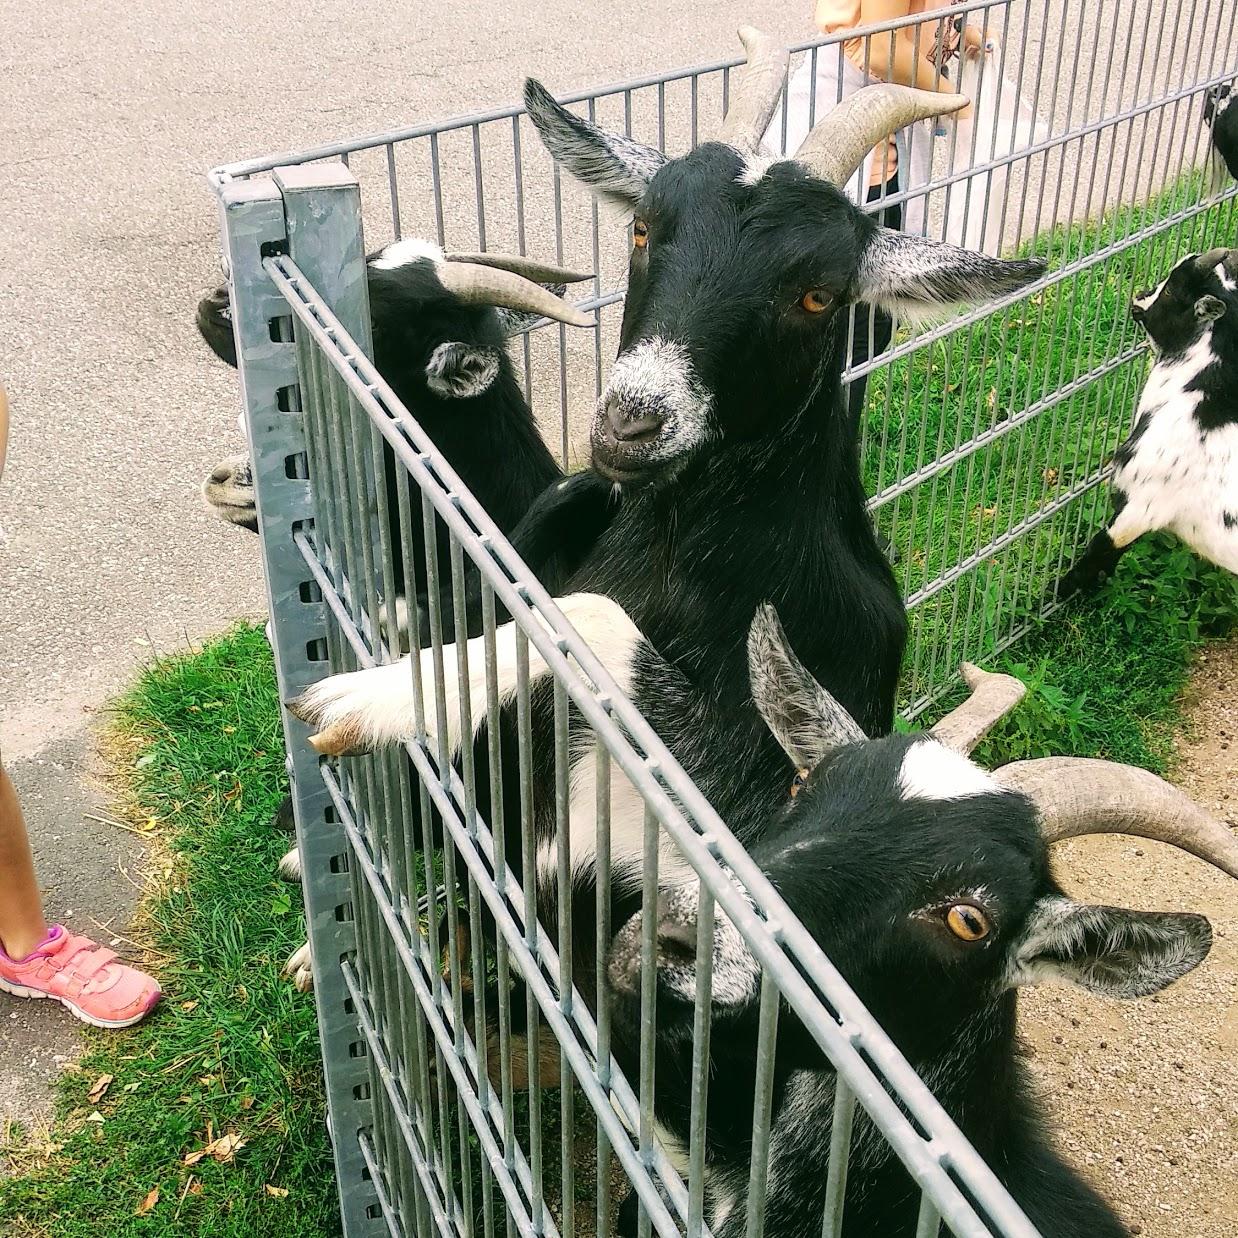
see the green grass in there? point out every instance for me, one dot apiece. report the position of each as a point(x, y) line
point(233, 1049)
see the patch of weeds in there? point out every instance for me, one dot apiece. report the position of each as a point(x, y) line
point(207, 1119)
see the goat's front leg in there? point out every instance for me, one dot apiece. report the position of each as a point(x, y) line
point(1098, 561)
point(553, 538)
point(363, 710)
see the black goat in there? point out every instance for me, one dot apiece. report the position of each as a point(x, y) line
point(439, 323)
point(926, 881)
point(1221, 115)
point(724, 425)
point(1178, 469)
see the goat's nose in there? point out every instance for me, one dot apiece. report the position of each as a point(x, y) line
point(221, 473)
point(1136, 308)
point(632, 429)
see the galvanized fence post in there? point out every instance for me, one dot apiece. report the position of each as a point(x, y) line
point(254, 226)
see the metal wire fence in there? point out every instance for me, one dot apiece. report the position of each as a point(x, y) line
point(475, 1082)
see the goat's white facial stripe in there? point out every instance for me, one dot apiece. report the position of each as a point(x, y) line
point(1227, 281)
point(1147, 302)
point(755, 167)
point(931, 771)
point(403, 253)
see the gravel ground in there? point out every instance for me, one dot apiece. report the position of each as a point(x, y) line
point(1146, 1089)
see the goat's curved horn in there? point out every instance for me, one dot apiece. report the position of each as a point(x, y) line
point(840, 140)
point(1078, 795)
point(755, 96)
point(992, 697)
point(538, 272)
point(475, 284)
point(1213, 258)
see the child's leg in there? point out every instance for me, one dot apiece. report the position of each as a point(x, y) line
point(22, 926)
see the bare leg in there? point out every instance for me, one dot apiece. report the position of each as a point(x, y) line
point(22, 926)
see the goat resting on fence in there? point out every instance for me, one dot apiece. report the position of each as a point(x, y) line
point(926, 881)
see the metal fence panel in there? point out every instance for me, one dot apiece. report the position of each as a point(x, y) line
point(983, 460)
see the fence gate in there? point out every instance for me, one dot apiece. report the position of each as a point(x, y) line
point(984, 445)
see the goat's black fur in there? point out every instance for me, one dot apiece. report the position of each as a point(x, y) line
point(873, 868)
point(447, 363)
point(1221, 114)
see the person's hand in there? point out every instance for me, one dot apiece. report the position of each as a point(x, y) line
point(977, 41)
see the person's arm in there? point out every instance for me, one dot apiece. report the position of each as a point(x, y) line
point(892, 56)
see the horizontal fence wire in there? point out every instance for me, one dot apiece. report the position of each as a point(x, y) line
point(985, 440)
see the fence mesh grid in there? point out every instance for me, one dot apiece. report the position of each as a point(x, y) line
point(984, 443)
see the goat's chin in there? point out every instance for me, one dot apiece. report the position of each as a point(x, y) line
point(637, 474)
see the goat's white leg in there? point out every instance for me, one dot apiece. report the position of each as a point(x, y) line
point(299, 969)
point(363, 710)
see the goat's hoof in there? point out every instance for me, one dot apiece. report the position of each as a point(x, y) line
point(290, 866)
point(299, 969)
point(341, 737)
point(338, 740)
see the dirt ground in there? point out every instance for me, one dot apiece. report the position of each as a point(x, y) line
point(1149, 1089)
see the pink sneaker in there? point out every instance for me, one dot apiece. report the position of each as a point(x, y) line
point(82, 976)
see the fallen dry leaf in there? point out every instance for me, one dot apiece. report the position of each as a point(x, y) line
point(188, 1006)
point(195, 1188)
point(152, 1198)
point(100, 1085)
point(277, 1192)
point(96, 1117)
point(247, 1102)
point(223, 1149)
point(132, 1087)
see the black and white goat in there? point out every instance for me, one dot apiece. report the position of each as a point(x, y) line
point(1178, 470)
point(439, 323)
point(926, 881)
point(1221, 115)
point(724, 425)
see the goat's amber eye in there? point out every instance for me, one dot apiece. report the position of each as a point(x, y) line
point(816, 301)
point(640, 234)
point(798, 782)
point(967, 923)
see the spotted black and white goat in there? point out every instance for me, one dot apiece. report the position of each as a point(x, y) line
point(1221, 115)
point(926, 880)
point(724, 425)
point(1178, 470)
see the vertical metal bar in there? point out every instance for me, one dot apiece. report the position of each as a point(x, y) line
point(648, 995)
point(701, 1024)
point(928, 1222)
point(602, 946)
point(840, 1152)
point(758, 1172)
point(255, 214)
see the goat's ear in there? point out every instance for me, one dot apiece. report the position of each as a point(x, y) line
point(803, 717)
point(614, 166)
point(913, 277)
point(459, 371)
point(1208, 308)
point(1108, 950)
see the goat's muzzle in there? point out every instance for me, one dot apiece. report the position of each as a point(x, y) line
point(620, 437)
